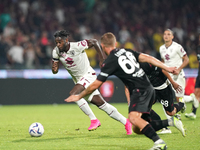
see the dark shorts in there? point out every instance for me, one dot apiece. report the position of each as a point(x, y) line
point(197, 84)
point(166, 97)
point(142, 100)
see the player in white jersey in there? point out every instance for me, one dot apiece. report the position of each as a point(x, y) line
point(74, 58)
point(173, 54)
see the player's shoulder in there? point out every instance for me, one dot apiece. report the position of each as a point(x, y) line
point(78, 44)
point(176, 44)
point(162, 47)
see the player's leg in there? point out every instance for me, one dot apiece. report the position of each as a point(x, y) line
point(195, 105)
point(171, 109)
point(141, 103)
point(83, 105)
point(142, 126)
point(160, 124)
point(98, 100)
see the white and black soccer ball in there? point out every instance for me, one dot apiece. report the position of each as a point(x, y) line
point(36, 129)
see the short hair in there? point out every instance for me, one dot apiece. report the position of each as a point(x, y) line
point(62, 34)
point(108, 39)
point(170, 31)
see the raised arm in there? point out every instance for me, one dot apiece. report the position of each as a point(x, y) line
point(55, 66)
point(152, 60)
point(95, 85)
point(95, 44)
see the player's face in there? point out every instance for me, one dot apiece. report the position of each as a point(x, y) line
point(60, 43)
point(167, 36)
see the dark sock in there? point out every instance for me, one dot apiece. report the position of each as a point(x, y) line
point(178, 106)
point(149, 132)
point(194, 110)
point(154, 115)
point(159, 124)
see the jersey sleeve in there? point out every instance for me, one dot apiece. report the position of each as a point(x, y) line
point(108, 68)
point(160, 51)
point(55, 56)
point(181, 51)
point(82, 45)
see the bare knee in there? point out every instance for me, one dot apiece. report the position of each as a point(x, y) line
point(77, 89)
point(97, 100)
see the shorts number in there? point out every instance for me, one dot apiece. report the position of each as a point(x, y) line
point(164, 103)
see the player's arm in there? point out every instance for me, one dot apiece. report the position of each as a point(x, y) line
point(152, 60)
point(55, 66)
point(176, 86)
point(95, 85)
point(55, 61)
point(127, 94)
point(95, 44)
point(184, 64)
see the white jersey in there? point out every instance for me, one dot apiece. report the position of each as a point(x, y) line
point(172, 57)
point(75, 60)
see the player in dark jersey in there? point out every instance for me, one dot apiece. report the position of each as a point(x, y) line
point(163, 89)
point(124, 64)
point(195, 105)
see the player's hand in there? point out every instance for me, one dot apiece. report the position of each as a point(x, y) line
point(176, 71)
point(171, 69)
point(177, 87)
point(72, 98)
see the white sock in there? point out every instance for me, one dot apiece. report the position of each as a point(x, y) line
point(83, 105)
point(168, 117)
point(159, 141)
point(112, 112)
point(170, 122)
point(188, 98)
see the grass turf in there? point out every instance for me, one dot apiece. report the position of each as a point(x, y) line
point(66, 128)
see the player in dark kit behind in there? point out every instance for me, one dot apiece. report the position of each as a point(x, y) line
point(124, 64)
point(162, 83)
point(164, 92)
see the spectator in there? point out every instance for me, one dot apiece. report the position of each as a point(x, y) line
point(193, 62)
point(16, 56)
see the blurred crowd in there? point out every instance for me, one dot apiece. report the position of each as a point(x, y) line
point(27, 27)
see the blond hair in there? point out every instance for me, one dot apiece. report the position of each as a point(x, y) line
point(108, 39)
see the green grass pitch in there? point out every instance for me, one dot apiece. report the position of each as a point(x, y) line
point(66, 129)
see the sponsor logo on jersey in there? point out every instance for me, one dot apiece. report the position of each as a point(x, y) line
point(72, 52)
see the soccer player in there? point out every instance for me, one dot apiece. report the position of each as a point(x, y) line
point(162, 83)
point(124, 64)
point(196, 94)
point(173, 54)
point(75, 60)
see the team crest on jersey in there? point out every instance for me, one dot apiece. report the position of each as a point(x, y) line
point(72, 52)
point(83, 43)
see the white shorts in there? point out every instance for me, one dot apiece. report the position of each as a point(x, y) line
point(86, 80)
point(179, 79)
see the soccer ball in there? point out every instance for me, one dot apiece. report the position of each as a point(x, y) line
point(36, 129)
